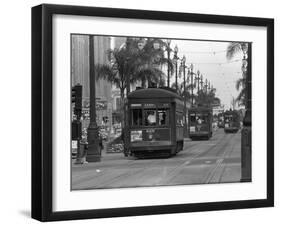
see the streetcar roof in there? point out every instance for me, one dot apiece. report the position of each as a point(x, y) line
point(153, 93)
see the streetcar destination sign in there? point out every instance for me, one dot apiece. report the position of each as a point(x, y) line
point(135, 105)
point(150, 105)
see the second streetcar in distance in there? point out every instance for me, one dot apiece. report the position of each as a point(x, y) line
point(231, 121)
point(155, 122)
point(200, 121)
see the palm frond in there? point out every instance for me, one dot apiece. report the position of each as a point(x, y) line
point(241, 98)
point(232, 49)
point(104, 71)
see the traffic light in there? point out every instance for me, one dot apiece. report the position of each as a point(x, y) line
point(76, 97)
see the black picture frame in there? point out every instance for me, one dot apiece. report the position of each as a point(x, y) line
point(42, 107)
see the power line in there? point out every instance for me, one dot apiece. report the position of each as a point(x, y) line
point(204, 52)
point(216, 63)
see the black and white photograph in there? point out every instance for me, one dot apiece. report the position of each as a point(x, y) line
point(152, 111)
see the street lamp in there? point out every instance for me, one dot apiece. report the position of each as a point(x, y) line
point(191, 73)
point(176, 64)
point(156, 44)
point(168, 49)
point(198, 80)
point(184, 92)
point(93, 153)
point(201, 83)
point(206, 86)
point(141, 44)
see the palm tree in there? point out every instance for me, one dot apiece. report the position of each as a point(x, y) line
point(149, 61)
point(116, 72)
point(235, 47)
point(232, 49)
point(131, 62)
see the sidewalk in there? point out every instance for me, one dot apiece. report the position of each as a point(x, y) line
point(105, 157)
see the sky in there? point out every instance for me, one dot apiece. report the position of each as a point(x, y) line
point(209, 58)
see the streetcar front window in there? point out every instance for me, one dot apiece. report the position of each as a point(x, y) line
point(136, 117)
point(163, 117)
point(228, 118)
point(199, 118)
point(192, 118)
point(204, 118)
point(150, 117)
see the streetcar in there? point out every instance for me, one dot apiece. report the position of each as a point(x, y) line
point(155, 121)
point(200, 121)
point(231, 121)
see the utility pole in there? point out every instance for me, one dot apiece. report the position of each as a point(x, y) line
point(191, 69)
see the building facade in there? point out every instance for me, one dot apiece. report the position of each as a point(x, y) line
point(80, 75)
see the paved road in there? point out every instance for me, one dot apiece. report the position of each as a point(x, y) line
point(214, 161)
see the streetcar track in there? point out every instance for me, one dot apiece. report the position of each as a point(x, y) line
point(214, 147)
point(224, 165)
point(180, 167)
point(211, 173)
point(219, 164)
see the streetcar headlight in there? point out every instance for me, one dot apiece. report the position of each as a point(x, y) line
point(136, 135)
point(226, 125)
